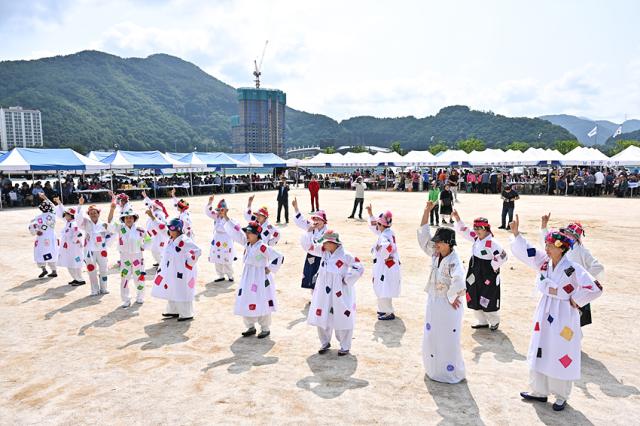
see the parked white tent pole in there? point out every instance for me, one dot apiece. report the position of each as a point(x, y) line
point(224, 178)
point(191, 179)
point(386, 178)
point(60, 184)
point(155, 184)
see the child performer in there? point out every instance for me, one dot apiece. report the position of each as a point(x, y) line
point(71, 243)
point(177, 274)
point(270, 233)
point(581, 255)
point(182, 207)
point(98, 237)
point(441, 348)
point(316, 226)
point(386, 264)
point(333, 306)
point(131, 240)
point(256, 298)
point(555, 349)
point(45, 248)
point(156, 226)
point(483, 276)
point(222, 253)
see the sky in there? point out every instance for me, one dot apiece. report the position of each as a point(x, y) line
point(379, 58)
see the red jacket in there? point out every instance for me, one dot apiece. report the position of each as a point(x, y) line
point(314, 187)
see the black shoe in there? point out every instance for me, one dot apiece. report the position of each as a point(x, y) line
point(263, 334)
point(250, 332)
point(217, 280)
point(43, 273)
point(360, 217)
point(529, 397)
point(387, 317)
point(343, 352)
point(170, 315)
point(559, 407)
point(180, 319)
point(494, 327)
point(230, 279)
point(350, 217)
point(380, 313)
point(324, 349)
point(83, 282)
point(480, 326)
point(155, 265)
point(53, 274)
point(72, 283)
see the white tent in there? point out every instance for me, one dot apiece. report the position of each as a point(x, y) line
point(389, 159)
point(452, 157)
point(30, 159)
point(321, 160)
point(356, 159)
point(630, 156)
point(418, 158)
point(583, 156)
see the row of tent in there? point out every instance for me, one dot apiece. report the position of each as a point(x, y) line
point(32, 159)
point(580, 156)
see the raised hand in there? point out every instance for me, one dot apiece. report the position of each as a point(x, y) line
point(251, 199)
point(81, 200)
point(211, 199)
point(42, 196)
point(514, 226)
point(294, 203)
point(172, 192)
point(544, 220)
point(455, 215)
point(144, 194)
point(370, 210)
point(56, 200)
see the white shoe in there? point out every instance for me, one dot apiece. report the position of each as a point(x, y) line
point(139, 301)
point(125, 305)
point(94, 294)
point(105, 291)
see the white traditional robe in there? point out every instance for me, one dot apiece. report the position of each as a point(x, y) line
point(185, 217)
point(256, 296)
point(98, 237)
point(441, 347)
point(333, 304)
point(131, 243)
point(554, 349)
point(386, 263)
point(270, 233)
point(157, 230)
point(304, 224)
point(71, 253)
point(177, 274)
point(222, 250)
point(45, 248)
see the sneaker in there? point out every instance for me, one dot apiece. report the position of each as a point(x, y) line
point(217, 280)
point(387, 317)
point(125, 305)
point(105, 291)
point(72, 283)
point(559, 405)
point(476, 326)
point(180, 319)
point(494, 327)
point(53, 274)
point(139, 301)
point(250, 332)
point(43, 273)
point(343, 352)
point(527, 396)
point(263, 334)
point(170, 315)
point(230, 279)
point(324, 349)
point(81, 282)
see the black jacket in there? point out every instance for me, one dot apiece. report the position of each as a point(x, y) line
point(283, 193)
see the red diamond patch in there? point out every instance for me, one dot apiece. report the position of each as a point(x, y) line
point(389, 263)
point(565, 361)
point(318, 312)
point(263, 248)
point(339, 263)
point(537, 326)
point(568, 288)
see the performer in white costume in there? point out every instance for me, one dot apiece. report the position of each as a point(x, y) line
point(98, 238)
point(71, 252)
point(177, 275)
point(333, 306)
point(580, 254)
point(156, 227)
point(386, 264)
point(256, 298)
point(182, 208)
point(270, 233)
point(316, 226)
point(554, 355)
point(441, 347)
point(222, 252)
point(45, 247)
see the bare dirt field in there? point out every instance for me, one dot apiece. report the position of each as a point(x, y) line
point(68, 358)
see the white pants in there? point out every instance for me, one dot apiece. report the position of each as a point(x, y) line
point(76, 273)
point(224, 269)
point(385, 304)
point(51, 265)
point(129, 265)
point(183, 309)
point(542, 385)
point(343, 336)
point(97, 277)
point(157, 255)
point(491, 318)
point(264, 322)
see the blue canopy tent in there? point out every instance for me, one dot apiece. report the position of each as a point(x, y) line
point(32, 159)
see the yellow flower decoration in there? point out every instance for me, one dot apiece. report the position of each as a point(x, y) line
point(558, 243)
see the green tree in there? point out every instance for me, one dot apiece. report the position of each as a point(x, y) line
point(358, 148)
point(471, 144)
point(621, 145)
point(567, 145)
point(439, 147)
point(396, 147)
point(518, 146)
point(329, 150)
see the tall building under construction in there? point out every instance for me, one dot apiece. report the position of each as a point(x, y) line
point(259, 126)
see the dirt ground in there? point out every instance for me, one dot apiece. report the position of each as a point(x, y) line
point(68, 358)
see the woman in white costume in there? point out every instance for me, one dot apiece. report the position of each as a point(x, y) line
point(45, 247)
point(222, 252)
point(441, 347)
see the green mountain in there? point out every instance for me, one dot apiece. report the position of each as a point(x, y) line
point(94, 100)
point(580, 127)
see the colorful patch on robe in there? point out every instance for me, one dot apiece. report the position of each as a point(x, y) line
point(567, 333)
point(484, 302)
point(254, 287)
point(389, 263)
point(450, 368)
point(568, 288)
point(252, 307)
point(158, 279)
point(267, 283)
point(550, 319)
point(347, 312)
point(539, 354)
point(536, 327)
point(569, 271)
point(271, 303)
point(488, 244)
point(90, 267)
point(338, 293)
point(263, 248)
point(428, 326)
point(191, 283)
point(565, 361)
point(318, 312)
point(327, 289)
point(468, 297)
point(471, 279)
point(389, 248)
point(531, 252)
point(483, 252)
point(339, 263)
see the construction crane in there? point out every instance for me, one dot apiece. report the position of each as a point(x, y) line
point(257, 73)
